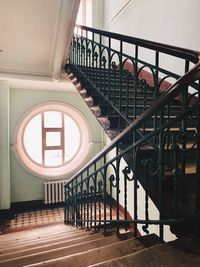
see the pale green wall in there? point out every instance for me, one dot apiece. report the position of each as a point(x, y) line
point(4, 146)
point(25, 186)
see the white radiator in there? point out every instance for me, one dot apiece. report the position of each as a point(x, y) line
point(54, 192)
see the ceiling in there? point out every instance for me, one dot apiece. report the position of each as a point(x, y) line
point(35, 36)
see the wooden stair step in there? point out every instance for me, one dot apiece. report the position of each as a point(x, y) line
point(40, 247)
point(75, 81)
point(59, 252)
point(89, 101)
point(112, 133)
point(21, 244)
point(12, 247)
point(105, 123)
point(157, 256)
point(83, 93)
point(32, 236)
point(100, 253)
point(71, 76)
point(96, 111)
point(37, 233)
point(78, 86)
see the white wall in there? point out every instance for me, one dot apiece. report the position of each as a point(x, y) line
point(170, 22)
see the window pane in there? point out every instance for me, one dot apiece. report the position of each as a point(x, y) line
point(52, 119)
point(72, 138)
point(53, 158)
point(33, 139)
point(53, 139)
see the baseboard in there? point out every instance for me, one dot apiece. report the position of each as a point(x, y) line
point(32, 205)
point(17, 207)
point(5, 213)
point(26, 205)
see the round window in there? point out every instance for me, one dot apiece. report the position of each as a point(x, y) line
point(53, 140)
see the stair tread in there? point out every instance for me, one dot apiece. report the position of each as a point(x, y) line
point(94, 255)
point(21, 245)
point(160, 255)
point(38, 232)
point(40, 247)
point(59, 252)
point(19, 242)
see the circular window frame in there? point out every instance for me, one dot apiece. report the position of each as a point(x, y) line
point(68, 168)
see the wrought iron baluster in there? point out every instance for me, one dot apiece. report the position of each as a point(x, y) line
point(161, 147)
point(104, 194)
point(73, 204)
point(197, 163)
point(100, 65)
point(135, 188)
point(111, 196)
point(156, 89)
point(135, 84)
point(120, 80)
point(75, 190)
point(66, 209)
point(100, 200)
point(109, 71)
point(81, 199)
point(84, 207)
point(95, 196)
point(91, 203)
point(88, 188)
point(117, 184)
point(145, 88)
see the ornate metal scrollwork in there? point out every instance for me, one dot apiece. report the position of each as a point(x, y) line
point(83, 49)
point(144, 84)
point(145, 228)
point(78, 45)
point(103, 61)
point(184, 141)
point(100, 187)
point(127, 171)
point(88, 52)
point(113, 65)
point(91, 189)
point(112, 179)
point(96, 55)
point(151, 165)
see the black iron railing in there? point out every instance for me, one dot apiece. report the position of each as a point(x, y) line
point(156, 157)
